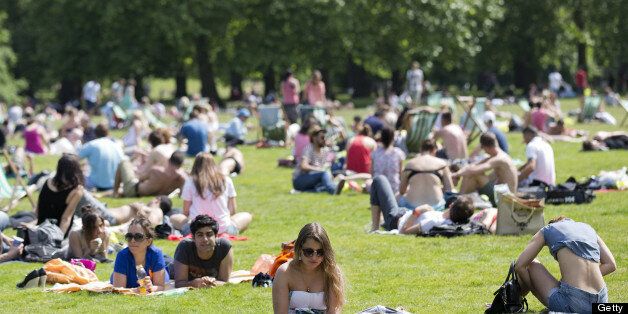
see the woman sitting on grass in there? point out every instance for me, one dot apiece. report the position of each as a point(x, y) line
point(208, 191)
point(583, 259)
point(312, 280)
point(92, 240)
point(140, 252)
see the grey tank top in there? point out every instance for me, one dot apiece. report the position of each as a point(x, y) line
point(579, 237)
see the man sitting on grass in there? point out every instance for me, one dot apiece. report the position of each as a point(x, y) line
point(157, 181)
point(203, 261)
point(474, 178)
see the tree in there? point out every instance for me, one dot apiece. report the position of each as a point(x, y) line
point(9, 86)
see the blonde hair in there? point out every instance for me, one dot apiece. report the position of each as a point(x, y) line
point(334, 281)
point(207, 176)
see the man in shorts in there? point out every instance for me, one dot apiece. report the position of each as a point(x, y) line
point(474, 178)
point(157, 181)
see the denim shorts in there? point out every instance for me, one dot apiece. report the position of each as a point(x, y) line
point(566, 298)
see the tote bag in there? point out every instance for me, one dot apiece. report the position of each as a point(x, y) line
point(518, 216)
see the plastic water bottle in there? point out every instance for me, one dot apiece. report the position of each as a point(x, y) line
point(141, 279)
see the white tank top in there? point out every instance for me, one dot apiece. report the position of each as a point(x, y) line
point(307, 300)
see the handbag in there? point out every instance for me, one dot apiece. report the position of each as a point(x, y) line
point(518, 216)
point(508, 297)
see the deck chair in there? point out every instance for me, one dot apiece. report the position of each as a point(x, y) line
point(271, 123)
point(524, 105)
point(418, 125)
point(152, 119)
point(434, 100)
point(590, 107)
point(13, 193)
point(318, 113)
point(624, 104)
point(449, 102)
point(471, 121)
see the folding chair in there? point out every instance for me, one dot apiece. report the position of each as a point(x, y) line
point(471, 121)
point(319, 113)
point(434, 100)
point(271, 123)
point(590, 107)
point(624, 104)
point(418, 125)
point(13, 194)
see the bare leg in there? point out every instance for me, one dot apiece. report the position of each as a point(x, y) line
point(538, 280)
point(178, 220)
point(472, 183)
point(117, 181)
point(122, 214)
point(226, 166)
point(242, 220)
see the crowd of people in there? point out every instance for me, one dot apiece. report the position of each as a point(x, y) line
point(409, 193)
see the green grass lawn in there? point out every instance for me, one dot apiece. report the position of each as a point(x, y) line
point(424, 275)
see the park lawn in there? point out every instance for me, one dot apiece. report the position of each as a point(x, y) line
point(423, 275)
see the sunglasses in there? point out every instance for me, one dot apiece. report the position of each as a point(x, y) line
point(310, 252)
point(138, 237)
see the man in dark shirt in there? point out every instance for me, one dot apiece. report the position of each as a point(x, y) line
point(203, 261)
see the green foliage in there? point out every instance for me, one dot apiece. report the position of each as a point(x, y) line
point(9, 86)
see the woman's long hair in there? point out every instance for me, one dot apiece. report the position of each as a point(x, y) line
point(69, 174)
point(207, 176)
point(91, 220)
point(334, 281)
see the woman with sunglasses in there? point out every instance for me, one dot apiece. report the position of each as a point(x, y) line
point(140, 252)
point(312, 280)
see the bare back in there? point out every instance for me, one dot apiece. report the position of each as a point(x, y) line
point(579, 272)
point(161, 181)
point(454, 141)
point(425, 187)
point(504, 169)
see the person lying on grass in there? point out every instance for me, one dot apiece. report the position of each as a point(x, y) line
point(583, 259)
point(312, 281)
point(156, 181)
point(203, 261)
point(140, 252)
point(92, 240)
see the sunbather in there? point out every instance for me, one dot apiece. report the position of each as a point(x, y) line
point(232, 162)
point(157, 181)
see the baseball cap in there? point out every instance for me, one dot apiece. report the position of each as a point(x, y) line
point(244, 113)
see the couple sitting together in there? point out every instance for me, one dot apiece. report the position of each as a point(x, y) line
point(202, 261)
point(420, 203)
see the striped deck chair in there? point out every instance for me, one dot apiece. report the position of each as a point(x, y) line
point(590, 107)
point(271, 123)
point(12, 193)
point(418, 125)
point(434, 100)
point(471, 121)
point(449, 102)
point(318, 113)
point(524, 105)
point(624, 104)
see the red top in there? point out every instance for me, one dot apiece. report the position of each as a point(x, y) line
point(359, 156)
point(581, 78)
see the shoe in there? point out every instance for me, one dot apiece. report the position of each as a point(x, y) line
point(30, 281)
point(42, 278)
point(341, 184)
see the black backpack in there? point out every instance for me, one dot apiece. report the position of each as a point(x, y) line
point(508, 297)
point(457, 230)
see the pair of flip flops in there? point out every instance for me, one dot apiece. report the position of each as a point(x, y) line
point(34, 279)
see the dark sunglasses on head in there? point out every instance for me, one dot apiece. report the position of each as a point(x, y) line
point(310, 252)
point(138, 237)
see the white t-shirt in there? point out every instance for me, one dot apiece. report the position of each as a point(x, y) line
point(555, 80)
point(542, 152)
point(215, 207)
point(91, 90)
point(415, 80)
point(427, 220)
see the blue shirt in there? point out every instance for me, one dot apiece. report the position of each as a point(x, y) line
point(578, 237)
point(103, 156)
point(195, 131)
point(125, 265)
point(501, 138)
point(375, 123)
point(236, 129)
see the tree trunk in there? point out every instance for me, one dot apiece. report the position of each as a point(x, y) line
point(236, 86)
point(181, 82)
point(206, 71)
point(269, 80)
point(70, 90)
point(580, 24)
point(358, 79)
point(139, 88)
point(397, 81)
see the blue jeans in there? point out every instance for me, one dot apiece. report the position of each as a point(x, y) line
point(383, 196)
point(5, 222)
point(314, 181)
point(566, 298)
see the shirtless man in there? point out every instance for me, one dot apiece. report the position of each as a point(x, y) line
point(454, 139)
point(159, 140)
point(232, 162)
point(424, 179)
point(474, 177)
point(158, 181)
